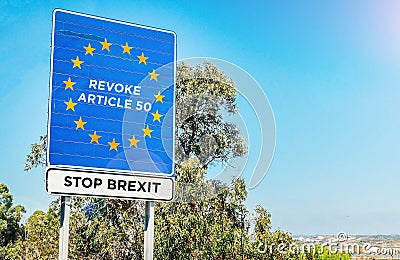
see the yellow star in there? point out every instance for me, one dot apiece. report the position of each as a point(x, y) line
point(133, 141)
point(80, 124)
point(153, 75)
point(105, 45)
point(156, 116)
point(147, 131)
point(89, 49)
point(159, 97)
point(70, 105)
point(126, 48)
point(142, 59)
point(95, 137)
point(69, 84)
point(77, 62)
point(113, 145)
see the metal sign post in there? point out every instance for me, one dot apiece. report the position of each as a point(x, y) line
point(64, 228)
point(149, 231)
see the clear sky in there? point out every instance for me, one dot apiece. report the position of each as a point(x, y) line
point(331, 71)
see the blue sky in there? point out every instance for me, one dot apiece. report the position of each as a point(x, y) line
point(331, 71)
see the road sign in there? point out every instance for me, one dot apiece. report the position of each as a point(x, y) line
point(112, 103)
point(109, 185)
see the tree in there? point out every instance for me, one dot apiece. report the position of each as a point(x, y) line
point(10, 216)
point(37, 155)
point(207, 227)
point(215, 228)
point(324, 254)
point(202, 93)
point(101, 230)
point(41, 241)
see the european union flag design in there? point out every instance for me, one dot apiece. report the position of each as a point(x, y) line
point(111, 95)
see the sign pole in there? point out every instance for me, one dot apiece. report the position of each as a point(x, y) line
point(149, 230)
point(64, 228)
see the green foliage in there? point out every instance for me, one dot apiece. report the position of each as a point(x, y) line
point(263, 223)
point(42, 230)
point(205, 229)
point(320, 253)
point(203, 93)
point(37, 155)
point(10, 216)
point(113, 231)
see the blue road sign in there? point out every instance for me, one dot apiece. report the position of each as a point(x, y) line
point(112, 94)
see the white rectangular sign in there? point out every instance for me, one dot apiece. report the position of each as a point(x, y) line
point(77, 183)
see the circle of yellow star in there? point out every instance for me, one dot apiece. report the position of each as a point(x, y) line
point(69, 84)
point(94, 137)
point(105, 45)
point(133, 141)
point(153, 75)
point(113, 145)
point(142, 59)
point(159, 97)
point(147, 131)
point(80, 124)
point(70, 105)
point(127, 48)
point(156, 116)
point(89, 49)
point(77, 62)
